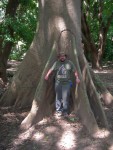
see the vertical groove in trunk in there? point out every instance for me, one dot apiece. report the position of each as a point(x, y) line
point(44, 97)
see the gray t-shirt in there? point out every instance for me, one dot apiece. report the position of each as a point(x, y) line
point(63, 70)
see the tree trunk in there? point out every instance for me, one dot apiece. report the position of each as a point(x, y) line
point(89, 44)
point(56, 17)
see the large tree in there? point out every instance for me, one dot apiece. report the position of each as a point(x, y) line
point(59, 30)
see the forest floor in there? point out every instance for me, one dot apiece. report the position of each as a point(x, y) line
point(55, 133)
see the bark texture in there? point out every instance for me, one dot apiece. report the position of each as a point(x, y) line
point(59, 30)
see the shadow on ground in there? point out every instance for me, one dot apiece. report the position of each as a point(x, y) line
point(50, 134)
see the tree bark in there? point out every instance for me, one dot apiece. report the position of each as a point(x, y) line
point(56, 17)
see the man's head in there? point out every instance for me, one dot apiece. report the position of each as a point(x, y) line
point(62, 57)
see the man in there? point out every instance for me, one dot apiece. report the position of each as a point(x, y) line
point(63, 67)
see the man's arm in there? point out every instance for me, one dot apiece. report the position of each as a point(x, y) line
point(77, 78)
point(48, 74)
point(75, 72)
point(50, 71)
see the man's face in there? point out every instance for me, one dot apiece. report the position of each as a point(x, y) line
point(62, 58)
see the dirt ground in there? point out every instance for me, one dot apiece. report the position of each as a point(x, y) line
point(55, 133)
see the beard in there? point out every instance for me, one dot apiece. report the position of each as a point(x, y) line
point(62, 60)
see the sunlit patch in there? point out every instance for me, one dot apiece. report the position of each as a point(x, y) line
point(102, 71)
point(67, 141)
point(43, 121)
point(51, 129)
point(22, 137)
point(60, 23)
point(101, 134)
point(38, 136)
point(27, 133)
point(43, 3)
point(111, 147)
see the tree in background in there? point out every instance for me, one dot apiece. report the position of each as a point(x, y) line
point(5, 48)
point(15, 27)
point(97, 17)
point(58, 21)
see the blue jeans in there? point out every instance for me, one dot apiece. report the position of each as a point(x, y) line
point(62, 96)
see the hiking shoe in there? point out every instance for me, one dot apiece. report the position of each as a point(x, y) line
point(58, 114)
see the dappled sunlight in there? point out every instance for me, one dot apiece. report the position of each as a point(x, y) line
point(101, 134)
point(46, 135)
point(106, 68)
point(38, 136)
point(26, 134)
point(109, 98)
point(22, 137)
point(43, 3)
point(111, 147)
point(67, 140)
point(62, 135)
point(43, 121)
point(13, 65)
point(27, 122)
point(51, 129)
point(12, 70)
point(10, 117)
point(34, 107)
point(103, 71)
point(57, 133)
point(60, 23)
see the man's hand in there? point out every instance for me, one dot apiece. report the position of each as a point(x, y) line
point(76, 76)
point(48, 74)
point(46, 77)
